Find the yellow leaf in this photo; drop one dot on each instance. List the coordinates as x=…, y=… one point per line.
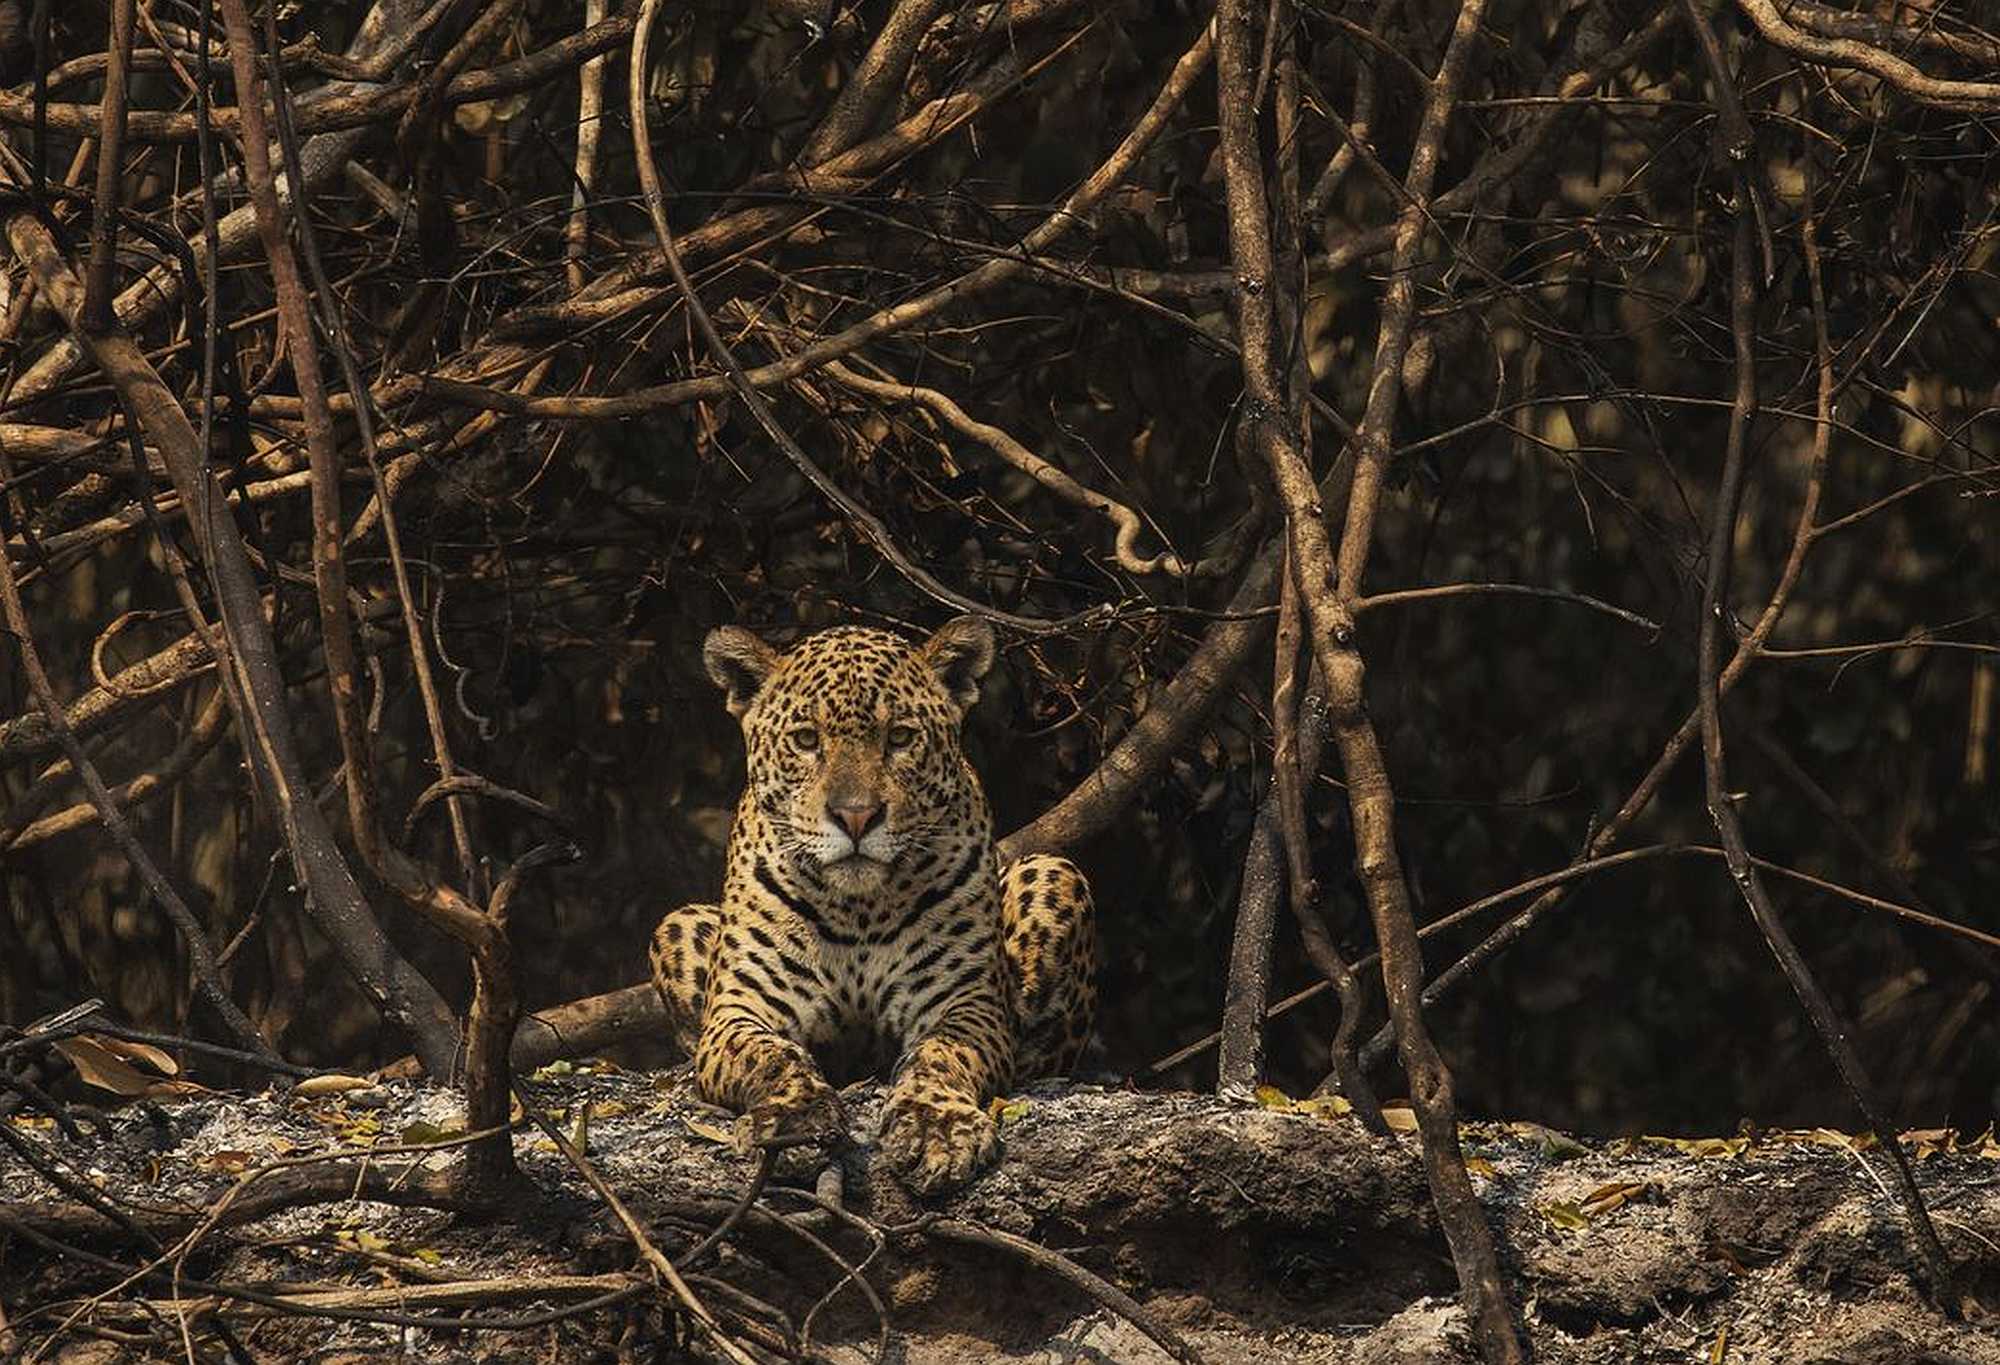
x=1708, y=1148
x=422, y=1134
x=1400, y=1120
x=139, y=1052
x=98, y=1065
x=1605, y=1198
x=332, y=1083
x=1564, y=1215
x=178, y=1089
x=1561, y=1146
x=1324, y=1106
x=708, y=1131
x=228, y=1163
x=1929, y=1142
x=482, y=116
x=1720, y=1349
x=1479, y=1165
x=1555, y=1146
x=1270, y=1097
x=1005, y=1111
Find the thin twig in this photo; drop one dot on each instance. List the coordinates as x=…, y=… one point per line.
x=1722, y=803
x=649, y=1251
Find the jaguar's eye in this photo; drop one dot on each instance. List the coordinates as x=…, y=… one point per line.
x=805, y=739
x=902, y=736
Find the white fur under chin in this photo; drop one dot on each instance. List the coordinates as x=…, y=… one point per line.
x=854, y=875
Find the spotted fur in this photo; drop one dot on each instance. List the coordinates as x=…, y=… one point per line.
x=864, y=925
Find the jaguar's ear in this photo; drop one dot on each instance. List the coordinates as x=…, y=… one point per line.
x=961, y=653
x=739, y=662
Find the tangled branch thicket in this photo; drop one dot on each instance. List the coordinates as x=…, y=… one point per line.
x=445, y=472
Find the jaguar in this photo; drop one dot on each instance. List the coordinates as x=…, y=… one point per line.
x=865, y=926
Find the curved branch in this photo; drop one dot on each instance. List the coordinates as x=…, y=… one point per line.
x=1102, y=1291
x=859, y=516
x=1855, y=55
x=880, y=70
x=129, y=689
x=1405, y=596
x=1884, y=33
x=1128, y=523
x=1722, y=807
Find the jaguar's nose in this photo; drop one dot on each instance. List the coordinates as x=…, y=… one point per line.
x=856, y=815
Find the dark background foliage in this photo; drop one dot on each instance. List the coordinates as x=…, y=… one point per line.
x=1566, y=434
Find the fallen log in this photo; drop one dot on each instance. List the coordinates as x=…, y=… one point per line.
x=1234, y=1233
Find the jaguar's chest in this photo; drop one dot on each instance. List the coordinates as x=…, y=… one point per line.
x=852, y=1034
x=865, y=1001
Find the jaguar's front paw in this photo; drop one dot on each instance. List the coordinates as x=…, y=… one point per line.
x=937, y=1139
x=806, y=1107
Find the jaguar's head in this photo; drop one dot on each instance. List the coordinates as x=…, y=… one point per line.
x=852, y=737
